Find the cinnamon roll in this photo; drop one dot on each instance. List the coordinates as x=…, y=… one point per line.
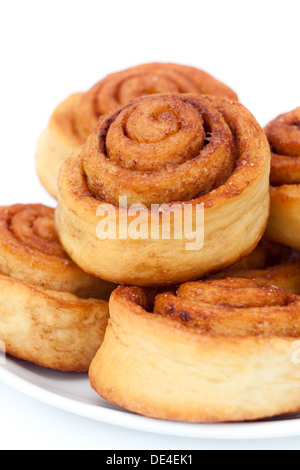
x=269, y=264
x=52, y=313
x=284, y=137
x=75, y=118
x=214, y=351
x=167, y=189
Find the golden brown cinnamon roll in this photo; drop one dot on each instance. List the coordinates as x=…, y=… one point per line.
x=74, y=119
x=52, y=313
x=213, y=351
x=284, y=137
x=194, y=173
x=269, y=264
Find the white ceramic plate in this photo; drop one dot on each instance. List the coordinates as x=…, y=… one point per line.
x=72, y=393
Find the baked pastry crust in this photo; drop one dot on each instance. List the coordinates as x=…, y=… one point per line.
x=214, y=351
x=284, y=137
x=75, y=118
x=58, y=141
x=52, y=313
x=269, y=264
x=175, y=151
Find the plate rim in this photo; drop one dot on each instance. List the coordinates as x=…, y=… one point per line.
x=122, y=419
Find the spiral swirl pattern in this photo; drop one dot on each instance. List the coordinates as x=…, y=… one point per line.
x=166, y=153
x=162, y=149
x=232, y=307
x=218, y=350
x=30, y=252
x=75, y=118
x=33, y=226
x=120, y=88
x=52, y=313
x=284, y=136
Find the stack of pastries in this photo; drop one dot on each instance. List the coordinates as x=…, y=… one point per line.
x=146, y=163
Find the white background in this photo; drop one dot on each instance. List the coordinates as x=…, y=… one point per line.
x=50, y=49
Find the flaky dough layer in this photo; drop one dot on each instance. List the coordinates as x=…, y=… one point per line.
x=284, y=137
x=179, y=152
x=213, y=351
x=52, y=329
x=51, y=313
